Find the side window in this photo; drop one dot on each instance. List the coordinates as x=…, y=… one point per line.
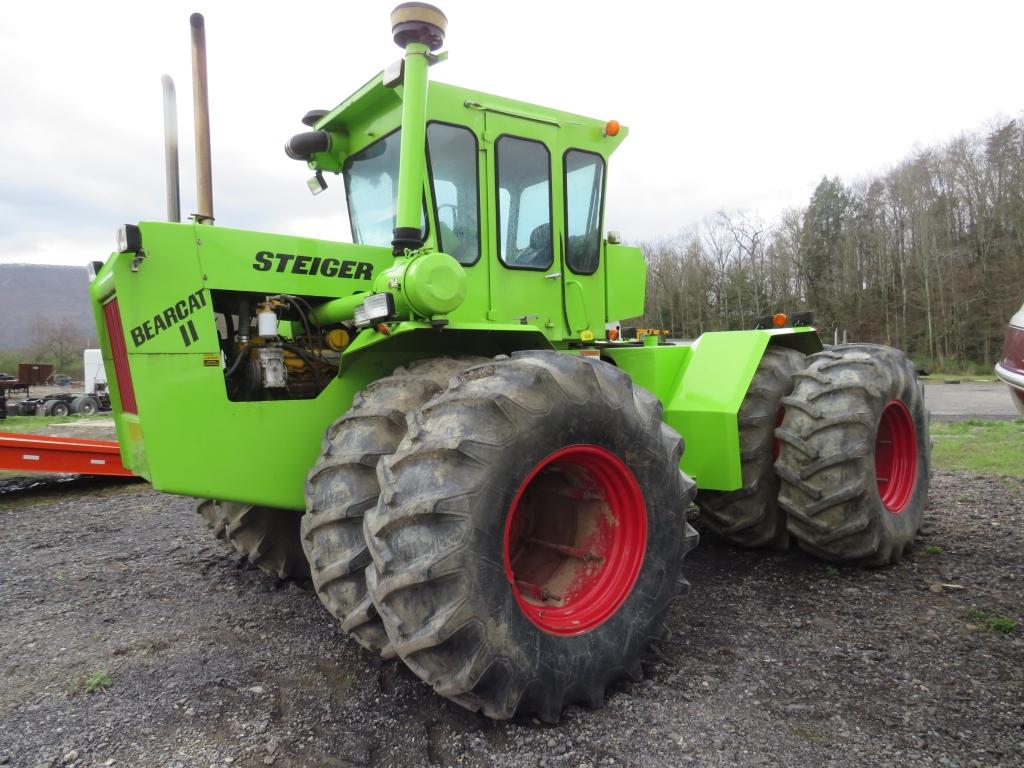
x=584, y=183
x=524, y=203
x=452, y=156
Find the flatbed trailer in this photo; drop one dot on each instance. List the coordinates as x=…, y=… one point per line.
x=53, y=454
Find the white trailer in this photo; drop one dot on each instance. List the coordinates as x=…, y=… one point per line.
x=95, y=377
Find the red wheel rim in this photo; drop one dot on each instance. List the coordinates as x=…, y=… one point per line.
x=896, y=457
x=575, y=538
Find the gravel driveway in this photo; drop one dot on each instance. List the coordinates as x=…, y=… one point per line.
x=774, y=659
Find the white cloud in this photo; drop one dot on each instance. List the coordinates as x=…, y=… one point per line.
x=730, y=105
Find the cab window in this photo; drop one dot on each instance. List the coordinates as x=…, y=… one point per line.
x=584, y=184
x=371, y=186
x=524, y=203
x=452, y=157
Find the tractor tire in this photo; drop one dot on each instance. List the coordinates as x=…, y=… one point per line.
x=343, y=484
x=209, y=510
x=855, y=455
x=267, y=537
x=750, y=516
x=529, y=534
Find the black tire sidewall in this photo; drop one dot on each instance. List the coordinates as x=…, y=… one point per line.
x=625, y=634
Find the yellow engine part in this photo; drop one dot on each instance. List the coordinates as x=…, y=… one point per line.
x=337, y=339
x=293, y=362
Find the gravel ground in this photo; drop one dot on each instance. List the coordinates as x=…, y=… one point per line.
x=774, y=659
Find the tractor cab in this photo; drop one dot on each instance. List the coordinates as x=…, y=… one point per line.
x=512, y=192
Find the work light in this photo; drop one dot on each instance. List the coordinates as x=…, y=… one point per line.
x=375, y=308
x=129, y=239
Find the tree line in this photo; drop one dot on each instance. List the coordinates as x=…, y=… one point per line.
x=928, y=257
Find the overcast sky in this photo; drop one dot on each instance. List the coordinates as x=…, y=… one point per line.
x=731, y=105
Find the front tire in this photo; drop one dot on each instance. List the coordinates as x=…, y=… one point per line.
x=528, y=538
x=855, y=455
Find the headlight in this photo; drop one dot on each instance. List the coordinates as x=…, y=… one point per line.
x=129, y=239
x=375, y=308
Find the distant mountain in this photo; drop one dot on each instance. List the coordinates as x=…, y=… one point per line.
x=30, y=292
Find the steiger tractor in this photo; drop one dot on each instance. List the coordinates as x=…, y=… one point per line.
x=433, y=424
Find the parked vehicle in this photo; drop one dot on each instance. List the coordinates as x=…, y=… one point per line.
x=1011, y=368
x=93, y=399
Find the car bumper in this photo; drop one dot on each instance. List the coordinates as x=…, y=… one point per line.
x=1014, y=378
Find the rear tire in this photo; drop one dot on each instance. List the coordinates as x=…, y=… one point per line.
x=266, y=536
x=751, y=516
x=855, y=455
x=343, y=485
x=498, y=542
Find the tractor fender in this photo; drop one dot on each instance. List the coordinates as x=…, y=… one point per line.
x=701, y=385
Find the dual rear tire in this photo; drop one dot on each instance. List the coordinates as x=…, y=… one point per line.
x=855, y=455
x=835, y=456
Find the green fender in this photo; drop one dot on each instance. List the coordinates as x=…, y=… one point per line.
x=701, y=385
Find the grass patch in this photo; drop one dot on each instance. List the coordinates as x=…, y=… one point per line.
x=983, y=447
x=931, y=549
x=993, y=621
x=832, y=572
x=97, y=682
x=35, y=423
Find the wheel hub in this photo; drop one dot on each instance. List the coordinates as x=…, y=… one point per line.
x=575, y=538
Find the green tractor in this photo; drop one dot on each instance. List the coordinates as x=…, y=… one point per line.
x=435, y=424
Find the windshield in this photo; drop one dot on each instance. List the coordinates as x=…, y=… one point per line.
x=371, y=186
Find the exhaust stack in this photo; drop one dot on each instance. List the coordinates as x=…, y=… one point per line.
x=171, y=149
x=201, y=108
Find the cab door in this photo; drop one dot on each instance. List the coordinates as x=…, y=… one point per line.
x=526, y=276
x=582, y=179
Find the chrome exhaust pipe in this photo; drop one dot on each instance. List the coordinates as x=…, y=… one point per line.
x=171, y=149
x=201, y=108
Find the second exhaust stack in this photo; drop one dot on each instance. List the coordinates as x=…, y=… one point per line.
x=201, y=108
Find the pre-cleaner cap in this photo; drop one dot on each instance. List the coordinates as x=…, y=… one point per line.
x=418, y=23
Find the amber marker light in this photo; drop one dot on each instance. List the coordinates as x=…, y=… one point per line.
x=611, y=128
x=779, y=319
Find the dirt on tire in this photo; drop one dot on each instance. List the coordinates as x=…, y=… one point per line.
x=832, y=442
x=440, y=576
x=343, y=485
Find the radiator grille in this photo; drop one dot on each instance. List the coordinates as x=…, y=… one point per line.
x=120, y=352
